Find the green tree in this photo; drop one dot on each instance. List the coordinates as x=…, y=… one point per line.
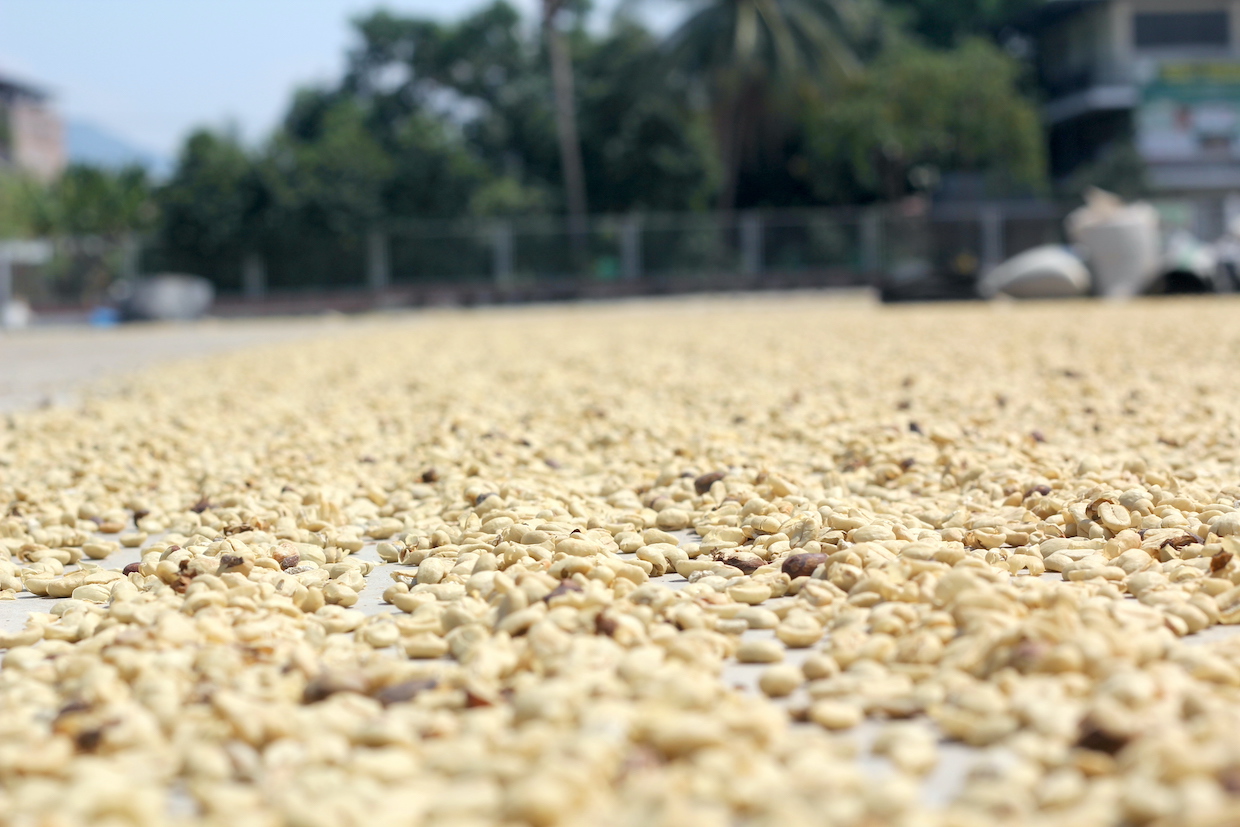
x=477, y=84
x=752, y=56
x=945, y=23
x=18, y=196
x=87, y=200
x=958, y=110
x=507, y=197
x=326, y=173
x=749, y=102
x=215, y=207
x=486, y=80
x=97, y=210
x=336, y=172
x=645, y=147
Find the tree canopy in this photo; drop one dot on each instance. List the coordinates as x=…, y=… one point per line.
x=916, y=107
x=947, y=23
x=748, y=55
x=750, y=103
x=83, y=201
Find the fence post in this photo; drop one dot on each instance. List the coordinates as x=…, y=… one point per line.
x=871, y=240
x=501, y=253
x=631, y=248
x=131, y=248
x=6, y=286
x=991, y=218
x=751, y=244
x=378, y=265
x=253, y=276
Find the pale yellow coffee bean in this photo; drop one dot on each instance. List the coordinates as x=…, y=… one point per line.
x=799, y=635
x=98, y=550
x=673, y=519
x=759, y=651
x=781, y=680
x=749, y=592
x=835, y=714
x=425, y=645
x=93, y=593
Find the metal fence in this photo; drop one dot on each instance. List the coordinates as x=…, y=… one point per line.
x=413, y=262
x=74, y=271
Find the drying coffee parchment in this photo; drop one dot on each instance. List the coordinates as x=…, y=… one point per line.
x=518, y=567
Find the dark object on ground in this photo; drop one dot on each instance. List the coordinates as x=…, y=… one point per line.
x=1189, y=266
x=928, y=289
x=1180, y=281
x=165, y=297
x=917, y=280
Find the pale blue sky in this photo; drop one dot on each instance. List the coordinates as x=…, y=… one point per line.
x=151, y=70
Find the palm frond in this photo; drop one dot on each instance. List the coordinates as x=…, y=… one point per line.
x=749, y=53
x=772, y=38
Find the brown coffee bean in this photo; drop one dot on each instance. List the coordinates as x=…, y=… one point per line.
x=803, y=565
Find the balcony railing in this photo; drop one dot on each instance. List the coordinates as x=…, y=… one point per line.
x=1080, y=80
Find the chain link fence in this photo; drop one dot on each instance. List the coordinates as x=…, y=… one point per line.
x=538, y=258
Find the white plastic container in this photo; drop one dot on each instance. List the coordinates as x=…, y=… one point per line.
x=167, y=297
x=1049, y=272
x=1119, y=241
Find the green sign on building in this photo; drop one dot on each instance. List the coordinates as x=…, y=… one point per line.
x=1190, y=111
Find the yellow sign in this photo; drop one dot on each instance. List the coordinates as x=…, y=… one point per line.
x=1185, y=73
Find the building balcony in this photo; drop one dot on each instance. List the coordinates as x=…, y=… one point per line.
x=1095, y=89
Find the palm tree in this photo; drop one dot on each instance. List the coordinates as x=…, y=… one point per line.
x=748, y=52
x=566, y=122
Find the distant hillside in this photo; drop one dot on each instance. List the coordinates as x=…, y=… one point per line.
x=88, y=144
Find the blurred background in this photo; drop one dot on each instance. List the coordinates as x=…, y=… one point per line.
x=329, y=154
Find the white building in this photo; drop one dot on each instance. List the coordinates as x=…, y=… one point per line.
x=1164, y=74
x=31, y=132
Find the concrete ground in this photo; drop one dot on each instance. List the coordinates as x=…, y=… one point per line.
x=46, y=365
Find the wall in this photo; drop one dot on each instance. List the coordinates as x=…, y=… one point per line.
x=37, y=138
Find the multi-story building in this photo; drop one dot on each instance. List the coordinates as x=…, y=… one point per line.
x=1161, y=75
x=31, y=132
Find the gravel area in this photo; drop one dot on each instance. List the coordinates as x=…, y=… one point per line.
x=759, y=560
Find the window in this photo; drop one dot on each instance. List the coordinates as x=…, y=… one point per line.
x=1169, y=30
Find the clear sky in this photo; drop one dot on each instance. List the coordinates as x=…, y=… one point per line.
x=149, y=71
